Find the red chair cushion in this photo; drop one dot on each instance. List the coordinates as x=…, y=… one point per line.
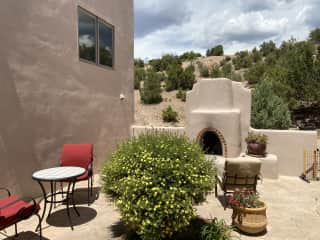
x=11, y=211
x=83, y=177
x=8, y=200
x=79, y=155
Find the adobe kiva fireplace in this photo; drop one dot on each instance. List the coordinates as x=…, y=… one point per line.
x=218, y=116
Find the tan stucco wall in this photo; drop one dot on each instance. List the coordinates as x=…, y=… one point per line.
x=288, y=146
x=48, y=97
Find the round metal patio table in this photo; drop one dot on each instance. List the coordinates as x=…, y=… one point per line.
x=58, y=174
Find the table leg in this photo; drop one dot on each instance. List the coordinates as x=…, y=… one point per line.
x=72, y=198
x=68, y=210
x=45, y=204
x=52, y=197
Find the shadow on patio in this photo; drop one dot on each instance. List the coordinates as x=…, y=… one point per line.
x=28, y=235
x=59, y=219
x=119, y=229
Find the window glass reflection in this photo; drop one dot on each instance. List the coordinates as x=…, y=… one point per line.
x=87, y=36
x=105, y=45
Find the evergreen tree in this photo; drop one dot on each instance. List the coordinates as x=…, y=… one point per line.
x=268, y=110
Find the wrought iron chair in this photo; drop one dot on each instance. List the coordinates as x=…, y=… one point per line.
x=13, y=210
x=238, y=174
x=79, y=155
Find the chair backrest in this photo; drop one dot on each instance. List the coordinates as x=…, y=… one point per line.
x=80, y=155
x=241, y=173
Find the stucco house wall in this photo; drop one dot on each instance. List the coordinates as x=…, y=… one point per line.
x=49, y=97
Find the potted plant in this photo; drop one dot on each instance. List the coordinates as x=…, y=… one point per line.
x=249, y=212
x=256, y=144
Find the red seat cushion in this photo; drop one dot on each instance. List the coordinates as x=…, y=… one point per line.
x=8, y=200
x=9, y=212
x=83, y=177
x=79, y=155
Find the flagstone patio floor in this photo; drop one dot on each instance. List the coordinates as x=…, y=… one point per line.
x=293, y=214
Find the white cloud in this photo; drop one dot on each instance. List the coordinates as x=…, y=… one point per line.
x=86, y=40
x=176, y=26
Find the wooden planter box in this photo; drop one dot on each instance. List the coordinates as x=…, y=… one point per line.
x=250, y=220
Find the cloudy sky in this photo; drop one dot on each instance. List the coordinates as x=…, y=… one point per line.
x=176, y=26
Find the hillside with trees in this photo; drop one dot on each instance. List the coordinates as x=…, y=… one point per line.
x=285, y=80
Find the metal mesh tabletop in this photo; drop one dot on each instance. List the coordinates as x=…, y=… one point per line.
x=58, y=173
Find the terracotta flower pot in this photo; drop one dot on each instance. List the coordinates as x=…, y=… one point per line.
x=256, y=149
x=250, y=220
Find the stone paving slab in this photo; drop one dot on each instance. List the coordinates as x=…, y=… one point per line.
x=293, y=214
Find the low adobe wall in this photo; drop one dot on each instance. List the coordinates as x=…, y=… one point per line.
x=138, y=130
x=288, y=146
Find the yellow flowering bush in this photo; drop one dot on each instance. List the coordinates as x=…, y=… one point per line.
x=155, y=179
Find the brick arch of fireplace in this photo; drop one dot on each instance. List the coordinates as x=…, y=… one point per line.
x=220, y=137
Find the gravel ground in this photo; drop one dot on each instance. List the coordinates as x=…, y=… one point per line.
x=151, y=114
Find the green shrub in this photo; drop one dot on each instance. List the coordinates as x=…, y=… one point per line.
x=155, y=180
x=242, y=60
x=268, y=110
x=215, y=71
x=217, y=229
x=256, y=56
x=156, y=64
x=255, y=73
x=236, y=76
x=204, y=70
x=151, y=91
x=187, y=78
x=139, y=76
x=227, y=70
x=138, y=62
x=169, y=115
x=315, y=35
x=181, y=94
x=174, y=75
x=267, y=47
x=169, y=60
x=189, y=56
x=215, y=51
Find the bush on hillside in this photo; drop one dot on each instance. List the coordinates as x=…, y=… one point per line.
x=268, y=110
x=139, y=63
x=139, y=76
x=187, y=78
x=189, y=56
x=267, y=47
x=155, y=180
x=204, y=70
x=182, y=95
x=294, y=75
x=215, y=51
x=156, y=65
x=242, y=59
x=236, y=76
x=215, y=71
x=174, y=75
x=151, y=91
x=256, y=56
x=227, y=70
x=169, y=115
x=255, y=73
x=315, y=36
